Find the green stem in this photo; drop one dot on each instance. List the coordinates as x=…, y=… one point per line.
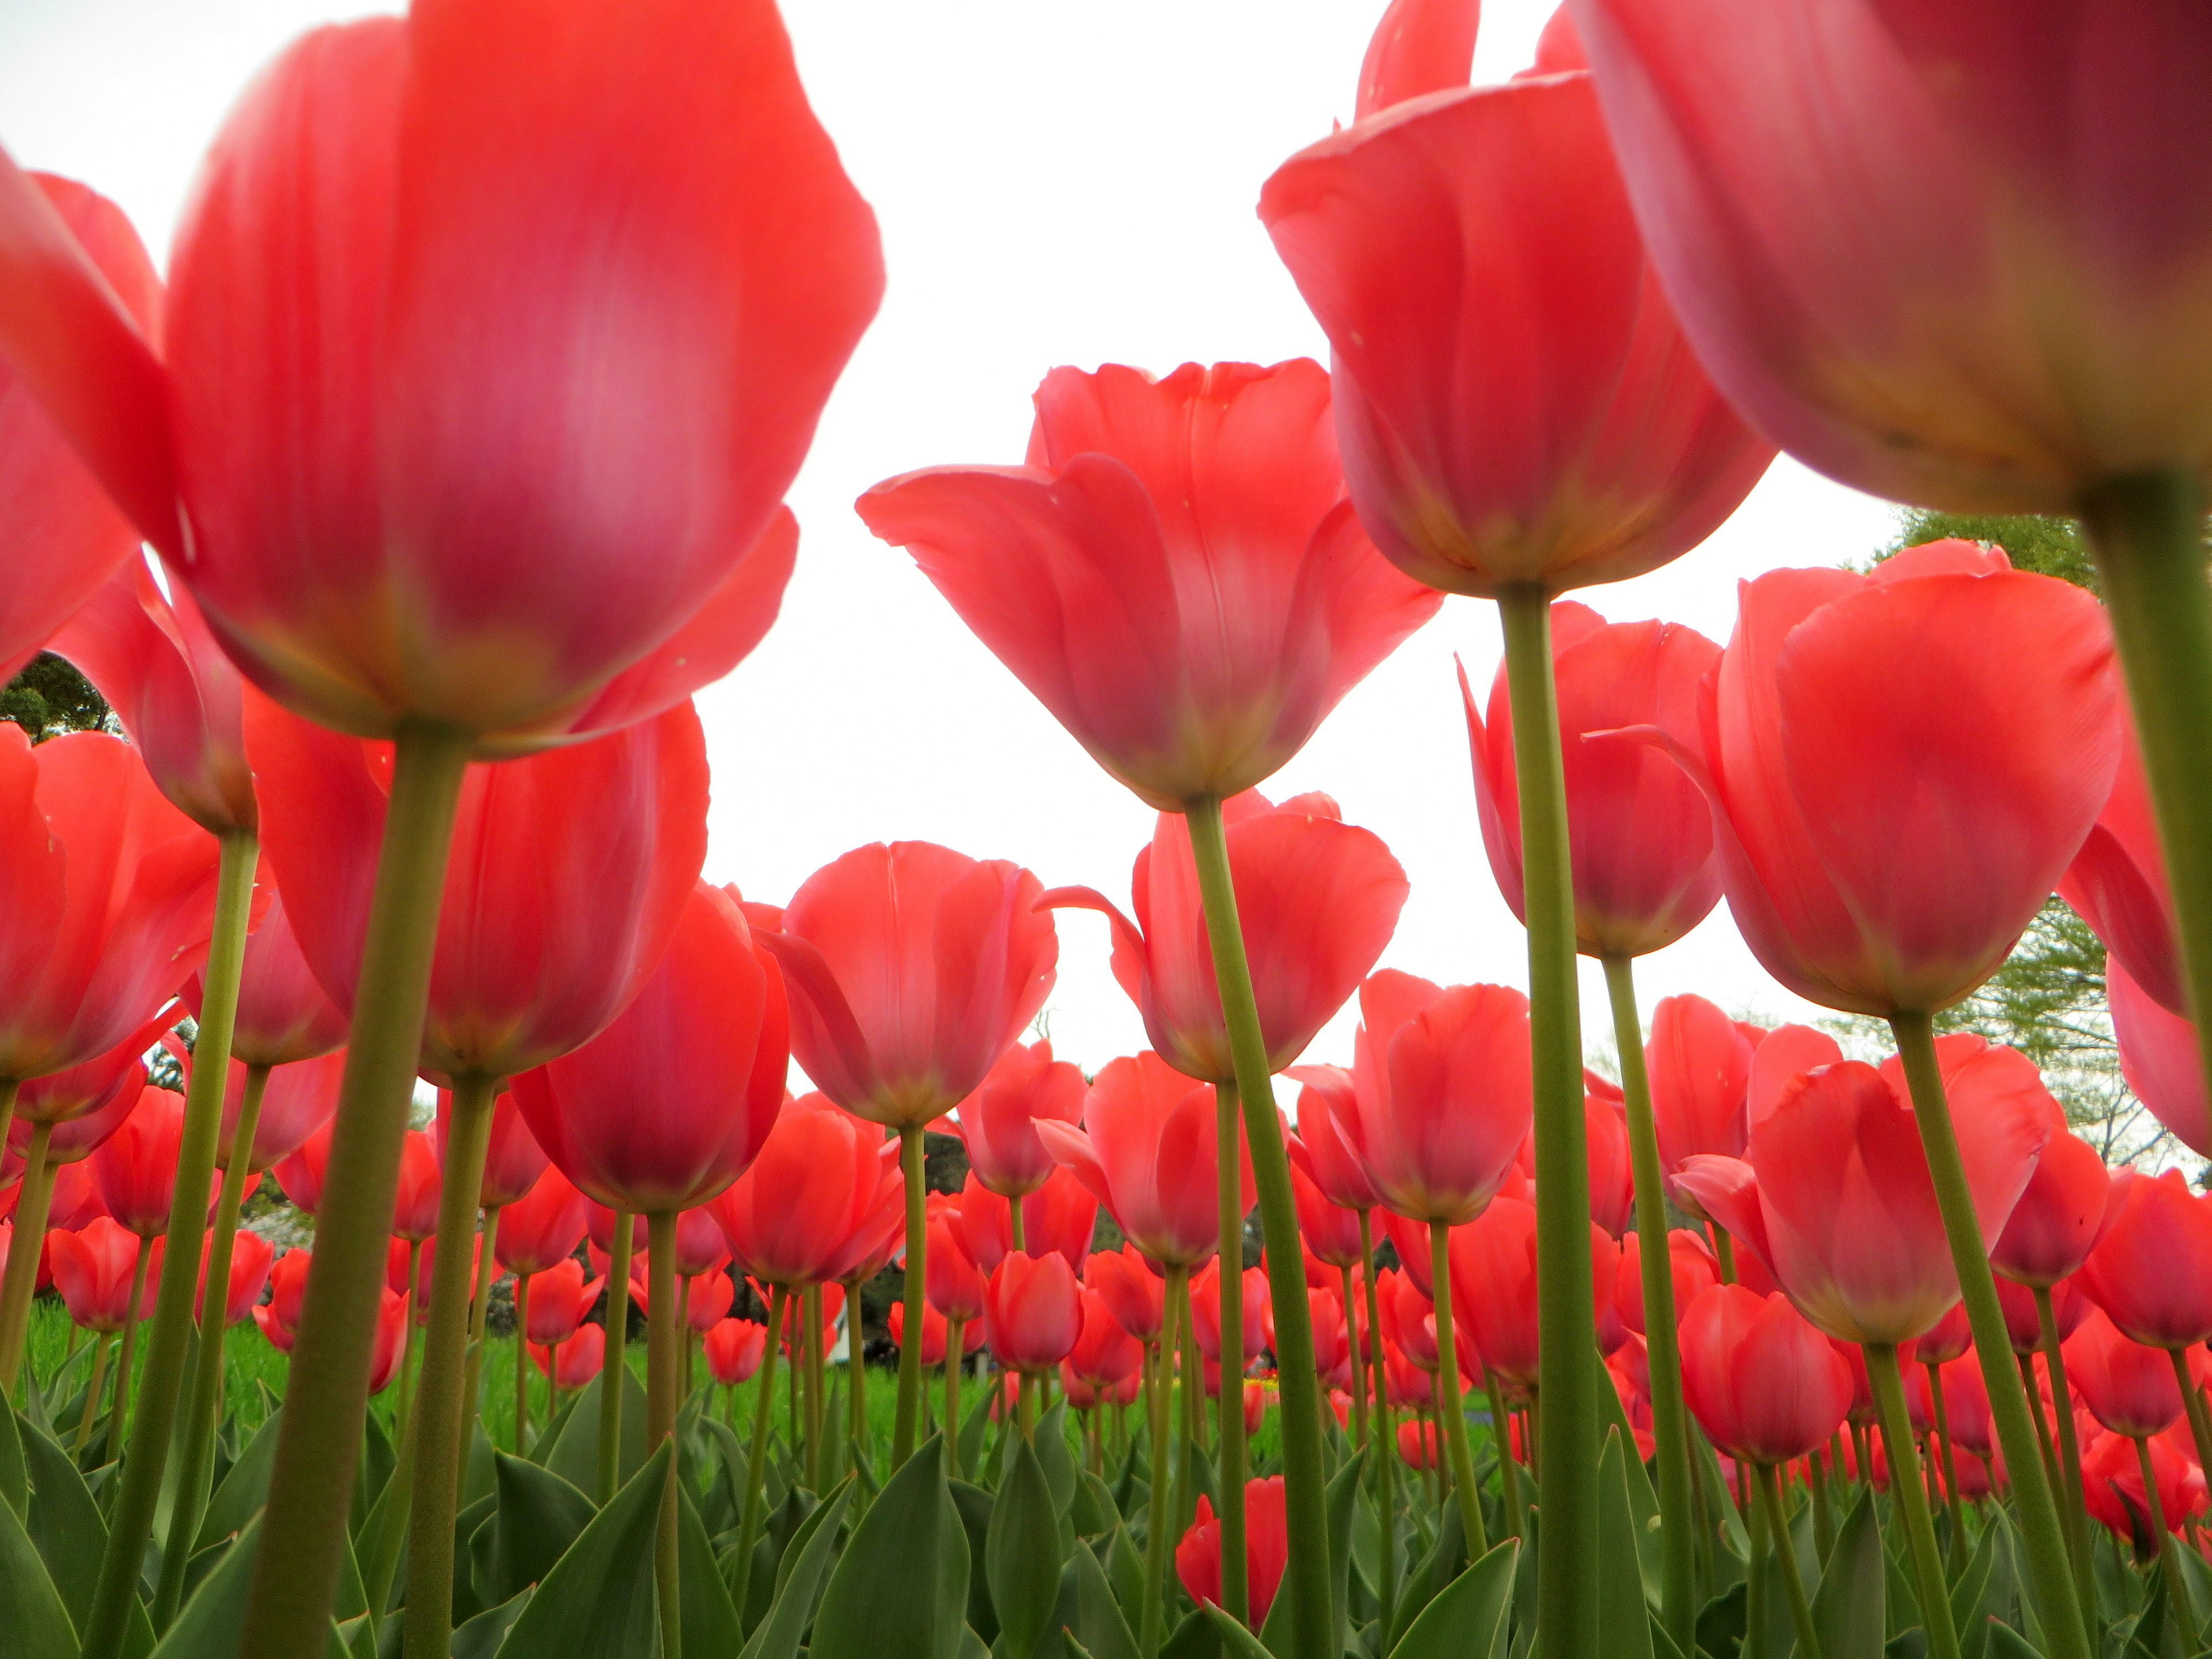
x=817, y=1449
x=1941, y=1411
x=1669, y=1418
x=1312, y=1617
x=1386, y=1473
x=1567, y=1381
x=1358, y=1366
x=1159, y=1513
x=1824, y=1529
x=2155, y=1508
x=2192, y=1400
x=955, y=1334
x=662, y=1359
x=190, y=1504
x=856, y=1376
x=486, y=1272
x=1228, y=1186
x=1769, y=1491
x=2147, y=534
x=101, y=1345
x=917, y=1246
x=21, y=1279
x=612, y=1376
x=522, y=1363
x=1509, y=1468
x=2048, y=1571
x=440, y=1397
x=1724, y=1253
x=1194, y=1411
x=125, y=1362
x=1448, y=1405
x=303, y=1533
x=1909, y=1496
x=757, y=1463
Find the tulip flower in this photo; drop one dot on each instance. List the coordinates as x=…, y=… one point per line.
x=1692, y=1271
x=2152, y=1270
x=542, y=1228
x=733, y=1349
x=1132, y=1292
x=75, y=1202
x=1785, y=1054
x=296, y=1100
x=819, y=1175
x=1206, y=1312
x=997, y=1123
x=1059, y=1215
x=1032, y=1312
x=302, y=1171
x=284, y=1016
x=936, y=1332
x=2061, y=1213
x=1266, y=1548
x=707, y=1299
x=1329, y=1232
x=1764, y=1385
x=135, y=1167
x=561, y=1297
x=2120, y=1499
x=1175, y=574
x=98, y=1271
x=250, y=1258
x=572, y=1363
x=1317, y=899
x=1700, y=1063
x=955, y=1285
x=1106, y=1353
x=422, y=1183
x=2159, y=1059
x=2128, y=1386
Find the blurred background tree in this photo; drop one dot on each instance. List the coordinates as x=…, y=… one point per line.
x=50, y=697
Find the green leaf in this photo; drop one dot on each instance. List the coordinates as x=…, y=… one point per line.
x=538, y=1516
x=709, y=1619
x=1093, y=1511
x=902, y=1585
x=64, y=1523
x=1643, y=1501
x=15, y=1479
x=1466, y=1619
x=1125, y=1570
x=1052, y=1454
x=37, y=1624
x=481, y=1636
x=575, y=1455
x=2006, y=1643
x=1968, y=1617
x=1237, y=1642
x=804, y=1564
x=1848, y=1613
x=245, y=1489
x=599, y=1597
x=1021, y=1552
x=974, y=1430
x=1337, y=1505
x=1624, y=1619
x=1101, y=1630
x=1436, y=1569
x=974, y=1505
x=212, y=1621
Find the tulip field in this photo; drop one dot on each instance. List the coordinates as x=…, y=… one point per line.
x=441, y=1223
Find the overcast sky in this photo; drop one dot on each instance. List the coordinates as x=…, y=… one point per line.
x=1057, y=183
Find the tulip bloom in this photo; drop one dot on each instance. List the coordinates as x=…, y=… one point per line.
x=1106, y=1354
x=1329, y=1232
x=1326, y=1093
x=733, y=1350
x=94, y=1269
x=1206, y=1312
x=1146, y=1150
x=135, y=1167
x=936, y=1332
x=1834, y=736
x=1700, y=1063
x=1059, y=1215
x=1833, y=1196
x=560, y=1297
x=1640, y=835
x=997, y=1123
x=2131, y=1387
x=1317, y=899
x=955, y=1285
x=1764, y=1385
x=387, y=1358
x=541, y=1228
x=820, y=1175
x=1493, y=1286
x=2160, y=1059
x=1266, y=1548
x=250, y=1258
x=2113, y=1488
x=1693, y=1268
x=512, y=1158
x=1131, y=1291
x=421, y=1184
x=1176, y=572
x=1032, y=1312
x=913, y=969
x=1442, y=1097
x=297, y=1100
x=2152, y=1270
x=284, y=1016
x=707, y=1299
x=2061, y=1213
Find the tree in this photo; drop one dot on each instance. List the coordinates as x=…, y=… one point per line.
x=50, y=697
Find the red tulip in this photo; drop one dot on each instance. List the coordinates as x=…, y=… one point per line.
x=574, y=1362
x=1105, y=1354
x=820, y=1175
x=953, y=1285
x=1762, y=1382
x=1175, y=574
x=104, y=1089
x=1266, y=1548
x=1915, y=244
x=297, y=1100
x=94, y=1269
x=287, y=1285
x=997, y=1123
x=2131, y=1387
x=1329, y=1232
x=1206, y=1312
x=2061, y=1212
x=542, y=1227
x=1325, y=1095
x=560, y=1297
x=1441, y=1094
x=415, y=1209
x=1700, y=1063
x=390, y=1348
x=135, y=1167
x=1493, y=1269
x=1061, y=1215
x=1317, y=899
x=1032, y=1312
x=669, y=1104
x=913, y=969
x=418, y=515
x=1786, y=1053
x=734, y=1349
x=1833, y=1193
x=1640, y=834
x=1147, y=1152
x=701, y=1249
x=2112, y=1487
x=1692, y=1266
x=1834, y=736
x=109, y=896
x=151, y=655
x=75, y=1201
x=2024, y=1325
x=710, y=1296
x=1612, y=1178
x=2159, y=1059
x=425, y=1252
x=512, y=1158
x=284, y=1016
x=1418, y=1445
x=523, y=972
x=1332, y=1339
x=936, y=1331
x=1132, y=1291
x=1420, y=47
x=1946, y=1339
x=1966, y=1404
x=300, y=1172
x=1409, y=1319
x=2152, y=1271
x=1513, y=396
x=250, y=1257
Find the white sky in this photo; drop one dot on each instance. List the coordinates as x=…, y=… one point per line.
x=1057, y=183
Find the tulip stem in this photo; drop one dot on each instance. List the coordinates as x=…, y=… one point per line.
x=2200, y=1424
x=1386, y=1475
x=1941, y=1412
x=1567, y=1382
x=1908, y=1494
x=1229, y=1167
x=956, y=1336
x=1768, y=1489
x=131, y=1321
x=917, y=1265
x=522, y=1363
x=1159, y=1510
x=303, y=1533
x=1193, y=1369
x=2049, y=1567
x=662, y=1356
x=611, y=1373
x=856, y=1376
x=757, y=1463
x=2147, y=534
x=1724, y=1253
x=1449, y=1404
x=190, y=1504
x=440, y=1392
x=2154, y=1511
x=486, y=1273
x=19, y=1281
x=1313, y=1617
x=1669, y=1420
x=810, y=1321
x=1509, y=1471
x=100, y=1346
x=1358, y=1366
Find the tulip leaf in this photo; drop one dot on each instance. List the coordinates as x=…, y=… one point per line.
x=1101, y=1631
x=1624, y=1620
x=599, y=1598
x=901, y=1588
x=244, y=1489
x=1021, y=1551
x=1848, y=1610
x=1338, y=1504
x=64, y=1523
x=1465, y=1619
x=38, y=1624
x=14, y=1478
x=1437, y=1569
x=1971, y=1605
x=974, y=1505
x=575, y=1456
x=214, y=1618
x=709, y=1618
x=537, y=1516
x=1643, y=1501
x=1052, y=1454
x=1092, y=1512
x=1237, y=1642
x=1125, y=1570
x=974, y=1430
x=800, y=1576
x=1195, y=1638
x=2006, y=1643
x=481, y=1636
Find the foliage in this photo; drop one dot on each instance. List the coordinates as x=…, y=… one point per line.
x=2050, y=547
x=50, y=697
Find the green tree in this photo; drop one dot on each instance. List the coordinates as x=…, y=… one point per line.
x=50, y=697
